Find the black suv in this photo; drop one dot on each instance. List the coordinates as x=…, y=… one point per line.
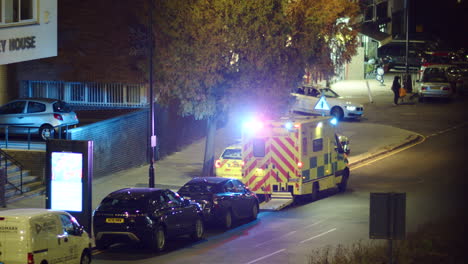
x=223, y=200
x=146, y=215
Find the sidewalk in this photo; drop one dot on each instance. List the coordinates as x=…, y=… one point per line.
x=366, y=141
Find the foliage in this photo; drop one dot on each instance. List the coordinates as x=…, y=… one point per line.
x=211, y=54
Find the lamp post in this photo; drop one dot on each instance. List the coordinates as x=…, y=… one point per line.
x=152, y=138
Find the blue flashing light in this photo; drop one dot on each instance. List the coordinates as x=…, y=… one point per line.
x=334, y=121
x=288, y=126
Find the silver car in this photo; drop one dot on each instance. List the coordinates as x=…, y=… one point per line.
x=435, y=82
x=42, y=116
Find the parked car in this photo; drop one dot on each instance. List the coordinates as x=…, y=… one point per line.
x=40, y=116
x=229, y=164
x=33, y=235
x=435, y=82
x=146, y=215
x=223, y=200
x=308, y=97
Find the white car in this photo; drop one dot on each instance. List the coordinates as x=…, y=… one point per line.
x=324, y=101
x=436, y=82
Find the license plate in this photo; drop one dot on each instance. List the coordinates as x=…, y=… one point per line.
x=114, y=220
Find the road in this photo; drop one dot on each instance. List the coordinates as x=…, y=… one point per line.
x=432, y=174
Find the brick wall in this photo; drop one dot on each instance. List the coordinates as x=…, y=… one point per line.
x=119, y=143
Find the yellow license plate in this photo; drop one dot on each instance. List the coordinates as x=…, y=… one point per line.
x=114, y=220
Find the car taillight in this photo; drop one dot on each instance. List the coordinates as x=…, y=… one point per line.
x=58, y=117
x=299, y=165
x=30, y=258
x=242, y=163
x=424, y=88
x=218, y=164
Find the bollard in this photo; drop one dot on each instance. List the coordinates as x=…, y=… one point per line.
x=369, y=92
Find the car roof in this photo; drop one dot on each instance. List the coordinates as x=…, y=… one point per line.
x=134, y=192
x=44, y=100
x=27, y=212
x=234, y=146
x=214, y=180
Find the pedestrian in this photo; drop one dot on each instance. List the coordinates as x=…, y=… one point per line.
x=396, y=89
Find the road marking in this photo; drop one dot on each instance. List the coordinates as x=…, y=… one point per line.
x=267, y=242
x=266, y=256
x=319, y=235
x=316, y=223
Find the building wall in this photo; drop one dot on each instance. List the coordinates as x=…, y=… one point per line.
x=3, y=84
x=355, y=69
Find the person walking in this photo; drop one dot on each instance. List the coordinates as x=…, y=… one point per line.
x=396, y=89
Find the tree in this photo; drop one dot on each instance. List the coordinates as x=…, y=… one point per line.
x=211, y=54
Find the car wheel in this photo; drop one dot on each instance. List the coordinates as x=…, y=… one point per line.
x=198, y=231
x=158, y=240
x=344, y=181
x=101, y=244
x=85, y=258
x=254, y=212
x=46, y=132
x=227, y=220
x=337, y=112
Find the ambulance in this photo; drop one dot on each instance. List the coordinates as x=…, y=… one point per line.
x=230, y=163
x=293, y=157
x=38, y=236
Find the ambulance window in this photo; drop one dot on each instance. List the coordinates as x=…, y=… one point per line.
x=259, y=147
x=304, y=146
x=317, y=144
x=232, y=154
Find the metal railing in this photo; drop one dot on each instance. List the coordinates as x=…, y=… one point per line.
x=7, y=158
x=89, y=94
x=5, y=129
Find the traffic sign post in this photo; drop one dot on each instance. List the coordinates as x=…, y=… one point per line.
x=387, y=217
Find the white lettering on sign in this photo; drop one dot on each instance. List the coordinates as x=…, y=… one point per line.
x=15, y=44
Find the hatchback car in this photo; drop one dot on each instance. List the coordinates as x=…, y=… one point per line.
x=223, y=200
x=145, y=215
x=36, y=115
x=310, y=100
x=229, y=164
x=435, y=82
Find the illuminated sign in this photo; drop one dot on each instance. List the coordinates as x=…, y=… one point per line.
x=322, y=104
x=67, y=181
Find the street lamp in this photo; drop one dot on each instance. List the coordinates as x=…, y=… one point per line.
x=152, y=138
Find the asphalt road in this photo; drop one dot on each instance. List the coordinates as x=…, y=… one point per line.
x=432, y=174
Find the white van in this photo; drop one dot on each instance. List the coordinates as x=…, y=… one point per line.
x=37, y=236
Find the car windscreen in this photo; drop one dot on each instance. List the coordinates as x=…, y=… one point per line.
x=123, y=204
x=232, y=154
x=199, y=187
x=329, y=93
x=61, y=106
x=434, y=75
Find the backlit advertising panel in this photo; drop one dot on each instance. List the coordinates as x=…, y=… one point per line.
x=67, y=181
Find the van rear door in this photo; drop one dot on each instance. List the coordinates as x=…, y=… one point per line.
x=13, y=245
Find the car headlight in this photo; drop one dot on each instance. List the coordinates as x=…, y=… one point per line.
x=351, y=108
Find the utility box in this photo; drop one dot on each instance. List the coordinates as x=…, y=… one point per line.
x=387, y=219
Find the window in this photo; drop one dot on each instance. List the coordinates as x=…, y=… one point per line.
x=259, y=147
x=317, y=144
x=174, y=200
x=238, y=186
x=229, y=187
x=17, y=11
x=13, y=108
x=67, y=225
x=36, y=107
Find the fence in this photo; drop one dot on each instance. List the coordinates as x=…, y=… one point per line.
x=88, y=94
